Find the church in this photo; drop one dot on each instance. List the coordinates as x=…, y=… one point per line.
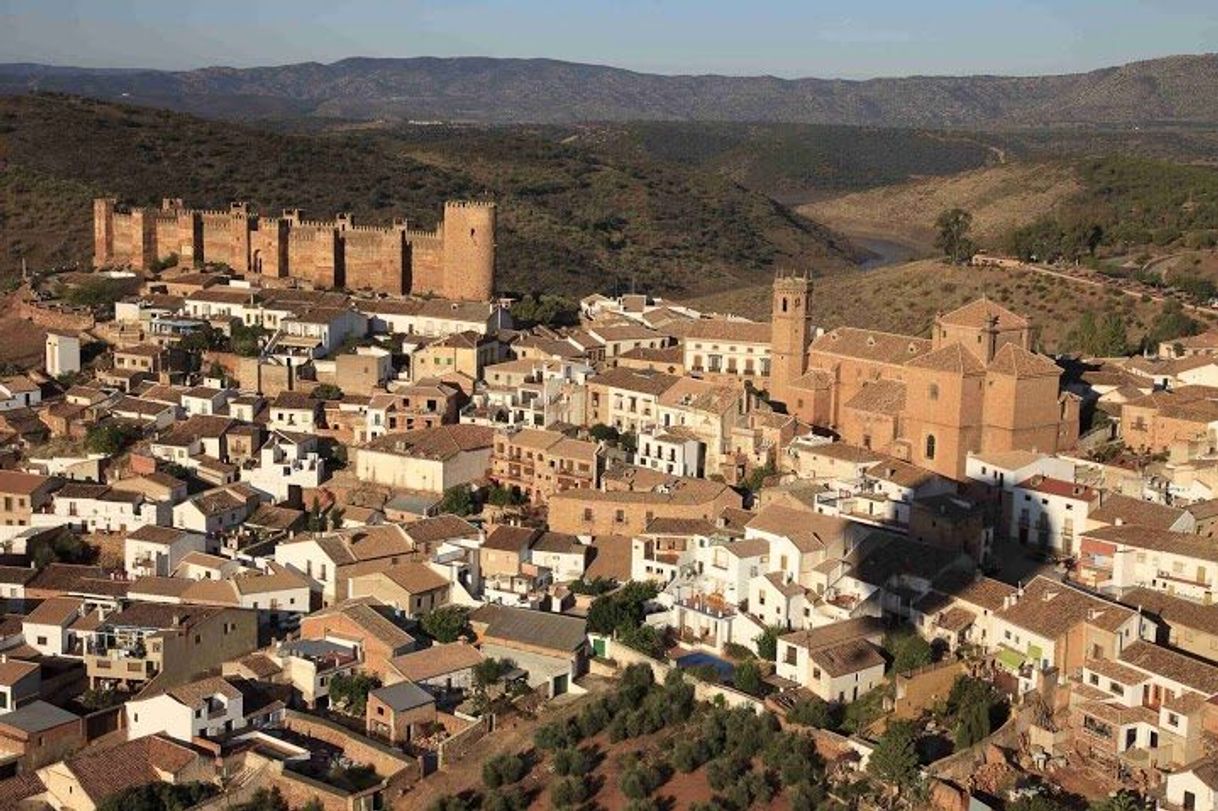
x=974, y=385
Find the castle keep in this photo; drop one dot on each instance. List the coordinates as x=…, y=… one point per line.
x=455, y=261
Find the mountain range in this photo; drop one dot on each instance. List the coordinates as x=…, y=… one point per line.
x=1175, y=89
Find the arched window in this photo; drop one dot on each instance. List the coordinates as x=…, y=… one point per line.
x=930, y=446
x=933, y=391
x=784, y=304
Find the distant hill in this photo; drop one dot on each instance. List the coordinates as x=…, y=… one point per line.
x=1000, y=198
x=1171, y=89
x=905, y=298
x=572, y=219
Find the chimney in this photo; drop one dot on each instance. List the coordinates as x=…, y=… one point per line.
x=1120, y=522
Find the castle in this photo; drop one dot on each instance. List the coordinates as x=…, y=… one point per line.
x=455, y=261
x=975, y=385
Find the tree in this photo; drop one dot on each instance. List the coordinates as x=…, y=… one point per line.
x=568, y=791
x=953, y=226
x=246, y=341
x=628, y=442
x=327, y=391
x=604, y=433
x=747, y=678
x=159, y=797
x=624, y=608
x=552, y=736
x=315, y=521
x=489, y=671
x=1171, y=322
x=767, y=642
x=909, y=651
x=264, y=800
x=812, y=712
x=504, y=800
x=756, y=478
x=1121, y=801
x=895, y=759
x=502, y=770
x=1103, y=337
x=972, y=725
x=644, y=638
x=504, y=496
x=640, y=780
x=457, y=500
x=446, y=623
x=351, y=691
x=63, y=546
x=571, y=760
x=110, y=438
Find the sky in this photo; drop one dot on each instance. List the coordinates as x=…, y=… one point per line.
x=823, y=38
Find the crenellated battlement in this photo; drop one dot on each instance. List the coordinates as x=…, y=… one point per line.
x=456, y=259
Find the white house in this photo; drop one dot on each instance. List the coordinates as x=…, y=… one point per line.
x=155, y=551
x=19, y=392
x=324, y=328
x=434, y=317
x=217, y=510
x=838, y=662
x=47, y=629
x=99, y=507
x=293, y=411
x=204, y=400
x=19, y=683
x=1194, y=787
x=677, y=451
x=207, y=708
x=561, y=553
x=1051, y=513
x=62, y=353
x=284, y=462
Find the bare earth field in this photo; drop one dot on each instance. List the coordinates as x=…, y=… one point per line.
x=905, y=298
x=999, y=198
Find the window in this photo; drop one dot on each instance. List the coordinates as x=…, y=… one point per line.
x=816, y=672
x=933, y=391
x=790, y=656
x=42, y=640
x=930, y=446
x=1173, y=720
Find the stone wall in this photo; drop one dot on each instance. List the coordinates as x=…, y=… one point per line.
x=922, y=688
x=453, y=749
x=457, y=260
x=55, y=317
x=703, y=691
x=387, y=761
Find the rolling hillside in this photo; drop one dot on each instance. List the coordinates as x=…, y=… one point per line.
x=905, y=298
x=572, y=220
x=1177, y=88
x=1000, y=199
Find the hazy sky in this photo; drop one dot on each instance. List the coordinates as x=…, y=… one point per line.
x=859, y=38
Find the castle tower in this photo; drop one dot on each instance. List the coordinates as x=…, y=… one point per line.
x=103, y=231
x=790, y=329
x=468, y=250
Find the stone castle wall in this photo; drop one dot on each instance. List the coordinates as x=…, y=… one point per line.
x=456, y=260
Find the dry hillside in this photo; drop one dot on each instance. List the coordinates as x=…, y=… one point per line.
x=999, y=197
x=905, y=298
